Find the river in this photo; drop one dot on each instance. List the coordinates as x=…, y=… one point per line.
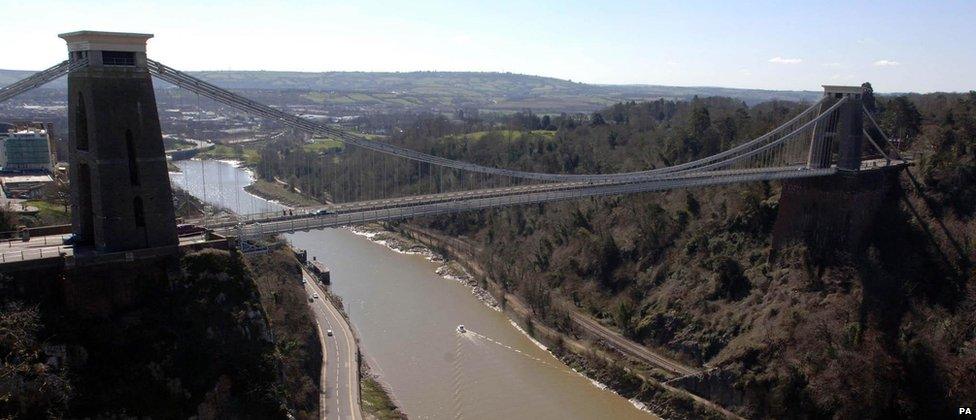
x=406, y=317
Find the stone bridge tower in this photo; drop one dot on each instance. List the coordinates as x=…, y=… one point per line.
x=839, y=136
x=121, y=196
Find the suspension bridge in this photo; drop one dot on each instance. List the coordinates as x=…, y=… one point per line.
x=121, y=196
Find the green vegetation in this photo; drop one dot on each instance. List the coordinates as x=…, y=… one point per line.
x=494, y=134
x=50, y=213
x=53, y=209
x=323, y=146
x=186, y=205
x=247, y=154
x=275, y=191
x=376, y=401
x=170, y=143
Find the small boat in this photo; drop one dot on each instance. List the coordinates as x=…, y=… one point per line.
x=460, y=329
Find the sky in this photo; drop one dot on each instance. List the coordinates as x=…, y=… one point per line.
x=898, y=46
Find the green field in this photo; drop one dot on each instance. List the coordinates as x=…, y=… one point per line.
x=174, y=144
x=376, y=401
x=478, y=135
x=49, y=213
x=275, y=191
x=248, y=155
x=323, y=145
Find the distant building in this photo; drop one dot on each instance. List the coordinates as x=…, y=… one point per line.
x=28, y=150
x=25, y=186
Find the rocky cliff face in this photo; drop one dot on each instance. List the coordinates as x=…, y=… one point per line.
x=170, y=341
x=833, y=213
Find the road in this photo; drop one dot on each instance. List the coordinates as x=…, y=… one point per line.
x=340, y=370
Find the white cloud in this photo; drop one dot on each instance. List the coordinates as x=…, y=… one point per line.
x=781, y=60
x=672, y=63
x=834, y=64
x=745, y=72
x=886, y=63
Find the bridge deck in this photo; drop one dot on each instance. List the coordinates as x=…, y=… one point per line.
x=406, y=207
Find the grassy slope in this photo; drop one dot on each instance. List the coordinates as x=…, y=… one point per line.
x=376, y=402
x=247, y=154
x=478, y=135
x=324, y=145
x=275, y=191
x=49, y=213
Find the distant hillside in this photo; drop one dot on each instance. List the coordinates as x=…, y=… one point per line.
x=448, y=90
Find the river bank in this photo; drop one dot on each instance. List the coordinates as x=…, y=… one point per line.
x=597, y=361
x=273, y=191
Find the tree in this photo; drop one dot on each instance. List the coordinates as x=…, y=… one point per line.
x=29, y=387
x=700, y=121
x=730, y=283
x=547, y=123
x=57, y=192
x=901, y=119
x=8, y=220
x=869, y=101
x=623, y=316
x=597, y=120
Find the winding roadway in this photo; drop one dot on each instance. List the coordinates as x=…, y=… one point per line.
x=340, y=370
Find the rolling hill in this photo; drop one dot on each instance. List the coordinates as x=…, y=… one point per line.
x=451, y=90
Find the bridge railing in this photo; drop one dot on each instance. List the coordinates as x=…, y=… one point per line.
x=35, y=253
x=40, y=78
